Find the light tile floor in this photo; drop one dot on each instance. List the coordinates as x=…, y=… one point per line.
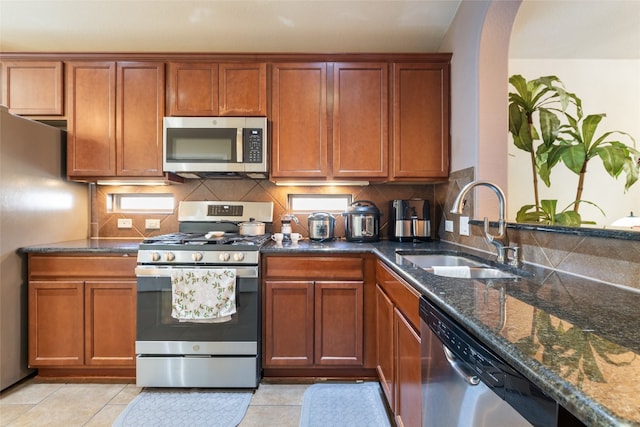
x=37, y=403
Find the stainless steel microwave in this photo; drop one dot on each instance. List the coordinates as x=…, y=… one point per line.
x=197, y=146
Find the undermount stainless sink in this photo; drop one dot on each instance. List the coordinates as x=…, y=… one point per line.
x=430, y=260
x=449, y=265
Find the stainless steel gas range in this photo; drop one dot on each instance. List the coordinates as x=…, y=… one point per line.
x=182, y=338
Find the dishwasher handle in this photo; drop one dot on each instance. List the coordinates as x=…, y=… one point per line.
x=460, y=367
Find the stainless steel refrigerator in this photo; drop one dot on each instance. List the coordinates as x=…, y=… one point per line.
x=37, y=206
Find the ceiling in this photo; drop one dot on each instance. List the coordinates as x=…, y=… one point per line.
x=543, y=28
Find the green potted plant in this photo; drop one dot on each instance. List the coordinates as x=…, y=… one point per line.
x=564, y=137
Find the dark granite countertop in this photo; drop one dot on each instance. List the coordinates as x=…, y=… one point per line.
x=577, y=339
x=129, y=246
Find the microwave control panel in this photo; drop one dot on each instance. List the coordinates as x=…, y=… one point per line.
x=253, y=143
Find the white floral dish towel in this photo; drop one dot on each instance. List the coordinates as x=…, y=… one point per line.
x=203, y=295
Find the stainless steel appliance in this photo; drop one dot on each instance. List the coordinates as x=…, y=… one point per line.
x=362, y=222
x=202, y=146
x=321, y=226
x=176, y=353
x=410, y=220
x=465, y=383
x=37, y=206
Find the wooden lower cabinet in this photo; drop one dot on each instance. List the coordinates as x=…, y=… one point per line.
x=82, y=315
x=313, y=323
x=315, y=316
x=398, y=346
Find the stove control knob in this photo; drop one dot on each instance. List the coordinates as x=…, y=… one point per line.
x=196, y=256
x=238, y=256
x=224, y=256
x=155, y=256
x=169, y=256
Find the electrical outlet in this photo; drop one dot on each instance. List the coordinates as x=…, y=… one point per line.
x=464, y=225
x=448, y=226
x=125, y=223
x=152, y=224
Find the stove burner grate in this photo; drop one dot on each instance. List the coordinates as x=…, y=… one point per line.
x=181, y=238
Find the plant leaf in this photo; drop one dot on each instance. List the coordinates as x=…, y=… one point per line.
x=549, y=126
x=574, y=157
x=613, y=157
x=589, y=126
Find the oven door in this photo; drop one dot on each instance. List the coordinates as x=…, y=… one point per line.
x=159, y=333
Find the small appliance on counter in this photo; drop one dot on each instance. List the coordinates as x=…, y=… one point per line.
x=362, y=222
x=410, y=220
x=285, y=220
x=321, y=226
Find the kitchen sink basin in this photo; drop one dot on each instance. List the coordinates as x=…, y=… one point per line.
x=450, y=265
x=430, y=260
x=471, y=272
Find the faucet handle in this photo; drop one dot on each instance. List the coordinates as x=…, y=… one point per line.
x=515, y=261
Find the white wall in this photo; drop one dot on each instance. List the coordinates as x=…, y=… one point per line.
x=605, y=86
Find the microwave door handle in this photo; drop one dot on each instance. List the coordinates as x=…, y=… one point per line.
x=239, y=145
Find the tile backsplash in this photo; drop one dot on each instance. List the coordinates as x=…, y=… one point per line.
x=104, y=223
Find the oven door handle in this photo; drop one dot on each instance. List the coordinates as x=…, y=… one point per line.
x=155, y=271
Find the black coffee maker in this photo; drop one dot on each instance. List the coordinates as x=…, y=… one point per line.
x=410, y=220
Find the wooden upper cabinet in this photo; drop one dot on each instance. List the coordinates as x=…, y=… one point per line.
x=420, y=121
x=33, y=88
x=115, y=119
x=299, y=121
x=243, y=89
x=360, y=120
x=139, y=113
x=193, y=89
x=212, y=89
x=91, y=120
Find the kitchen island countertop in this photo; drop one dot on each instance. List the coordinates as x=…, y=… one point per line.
x=577, y=339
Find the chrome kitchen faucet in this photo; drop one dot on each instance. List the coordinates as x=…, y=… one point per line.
x=501, y=240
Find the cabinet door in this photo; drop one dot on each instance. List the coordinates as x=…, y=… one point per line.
x=360, y=120
x=408, y=367
x=420, y=120
x=91, y=139
x=288, y=328
x=31, y=88
x=110, y=323
x=338, y=323
x=56, y=323
x=193, y=89
x=140, y=109
x=385, y=345
x=243, y=89
x=299, y=121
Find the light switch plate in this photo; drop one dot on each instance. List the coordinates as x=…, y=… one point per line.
x=464, y=225
x=448, y=226
x=125, y=223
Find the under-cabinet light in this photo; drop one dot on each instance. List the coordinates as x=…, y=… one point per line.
x=311, y=183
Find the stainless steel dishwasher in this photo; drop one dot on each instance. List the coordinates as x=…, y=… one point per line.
x=464, y=384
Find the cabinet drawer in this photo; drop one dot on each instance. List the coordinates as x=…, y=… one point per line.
x=81, y=266
x=316, y=267
x=403, y=296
